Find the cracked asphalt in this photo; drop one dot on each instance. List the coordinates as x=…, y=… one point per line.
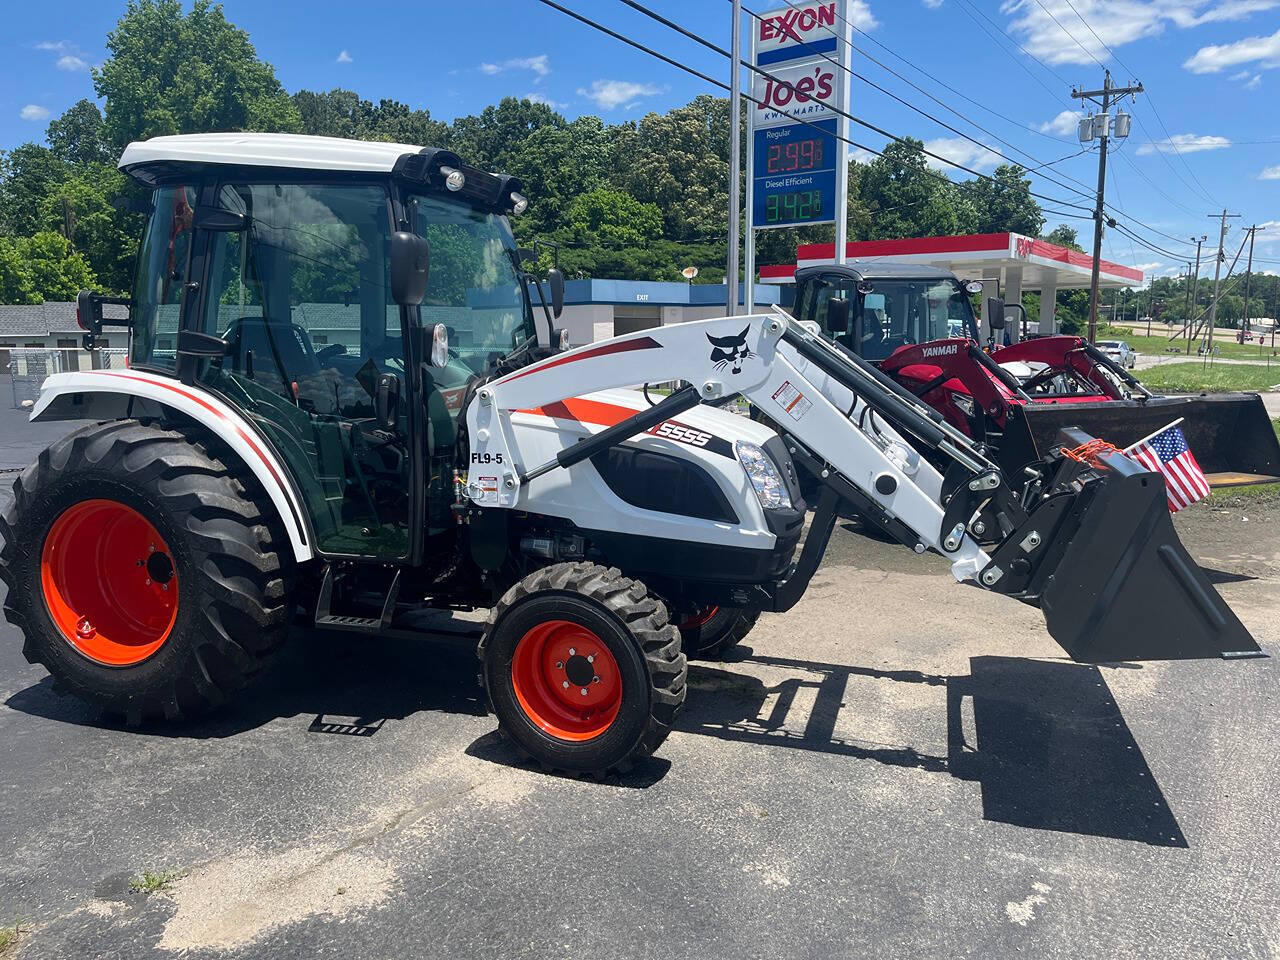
x=900, y=766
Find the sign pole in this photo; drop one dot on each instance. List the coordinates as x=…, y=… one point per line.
x=844, y=55
x=749, y=254
x=735, y=161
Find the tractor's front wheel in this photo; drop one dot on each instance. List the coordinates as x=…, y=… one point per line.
x=141, y=573
x=582, y=669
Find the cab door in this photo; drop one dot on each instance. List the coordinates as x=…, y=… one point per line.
x=315, y=353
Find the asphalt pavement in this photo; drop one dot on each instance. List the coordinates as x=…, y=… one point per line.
x=900, y=766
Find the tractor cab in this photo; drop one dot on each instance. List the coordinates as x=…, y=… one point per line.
x=344, y=313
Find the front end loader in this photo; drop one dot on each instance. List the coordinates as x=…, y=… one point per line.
x=339, y=403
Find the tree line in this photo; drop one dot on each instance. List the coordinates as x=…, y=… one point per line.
x=636, y=200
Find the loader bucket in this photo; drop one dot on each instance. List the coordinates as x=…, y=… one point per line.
x=1113, y=579
x=1229, y=433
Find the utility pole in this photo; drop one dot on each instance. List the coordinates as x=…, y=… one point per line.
x=1194, y=291
x=735, y=160
x=1103, y=128
x=1217, y=275
x=1248, y=281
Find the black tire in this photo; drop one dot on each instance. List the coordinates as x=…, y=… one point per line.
x=725, y=629
x=633, y=627
x=232, y=612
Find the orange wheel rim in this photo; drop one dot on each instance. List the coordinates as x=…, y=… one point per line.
x=699, y=618
x=566, y=680
x=109, y=582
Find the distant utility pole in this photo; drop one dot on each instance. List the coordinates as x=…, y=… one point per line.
x=1217, y=275
x=735, y=159
x=1101, y=127
x=1194, y=291
x=1248, y=279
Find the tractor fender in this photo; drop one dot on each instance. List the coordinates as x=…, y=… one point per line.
x=117, y=394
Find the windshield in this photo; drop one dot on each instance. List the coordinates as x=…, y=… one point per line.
x=1109, y=343
x=474, y=287
x=899, y=312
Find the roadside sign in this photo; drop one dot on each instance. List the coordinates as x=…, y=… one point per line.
x=797, y=152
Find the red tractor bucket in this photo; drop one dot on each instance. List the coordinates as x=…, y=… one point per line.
x=1230, y=434
x=1111, y=576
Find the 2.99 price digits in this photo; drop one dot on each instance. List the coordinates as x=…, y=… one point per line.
x=794, y=155
x=805, y=205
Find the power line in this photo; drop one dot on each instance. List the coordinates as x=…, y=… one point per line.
x=769, y=76
x=969, y=5
x=1087, y=51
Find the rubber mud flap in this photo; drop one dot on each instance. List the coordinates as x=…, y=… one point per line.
x=1125, y=587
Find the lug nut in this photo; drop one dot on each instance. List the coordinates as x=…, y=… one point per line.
x=559, y=664
x=565, y=684
x=584, y=691
x=591, y=658
x=595, y=679
x=572, y=651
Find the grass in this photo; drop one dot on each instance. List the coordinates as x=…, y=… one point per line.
x=153, y=881
x=11, y=934
x=1158, y=345
x=1198, y=377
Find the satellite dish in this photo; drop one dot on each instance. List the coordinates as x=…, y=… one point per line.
x=689, y=272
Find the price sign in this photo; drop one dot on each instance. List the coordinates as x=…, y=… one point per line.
x=794, y=175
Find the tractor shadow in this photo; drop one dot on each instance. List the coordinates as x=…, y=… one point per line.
x=339, y=683
x=1045, y=740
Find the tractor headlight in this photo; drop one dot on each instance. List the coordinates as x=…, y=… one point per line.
x=454, y=178
x=964, y=402
x=764, y=476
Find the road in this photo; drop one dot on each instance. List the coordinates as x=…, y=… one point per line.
x=900, y=766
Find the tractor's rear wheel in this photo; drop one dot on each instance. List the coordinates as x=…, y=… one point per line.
x=710, y=632
x=582, y=669
x=142, y=574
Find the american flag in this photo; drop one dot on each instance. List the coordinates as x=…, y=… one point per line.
x=1167, y=452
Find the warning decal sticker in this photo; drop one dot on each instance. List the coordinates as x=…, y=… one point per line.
x=792, y=400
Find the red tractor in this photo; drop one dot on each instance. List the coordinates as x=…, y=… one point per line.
x=917, y=325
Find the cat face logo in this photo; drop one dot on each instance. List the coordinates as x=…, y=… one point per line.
x=730, y=350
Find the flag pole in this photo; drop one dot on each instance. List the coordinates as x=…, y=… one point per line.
x=1167, y=426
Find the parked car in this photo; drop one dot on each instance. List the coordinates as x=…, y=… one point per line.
x=1120, y=352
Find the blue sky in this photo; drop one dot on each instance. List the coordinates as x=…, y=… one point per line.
x=1211, y=69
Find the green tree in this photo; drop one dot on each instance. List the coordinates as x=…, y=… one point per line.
x=28, y=174
x=1064, y=236
x=1004, y=203
x=904, y=198
x=84, y=210
x=76, y=137
x=174, y=72
x=41, y=267
x=611, y=218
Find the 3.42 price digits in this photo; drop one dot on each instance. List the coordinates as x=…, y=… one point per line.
x=786, y=207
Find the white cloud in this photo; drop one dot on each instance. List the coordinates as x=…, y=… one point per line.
x=539, y=65
x=1065, y=122
x=932, y=4
x=539, y=98
x=70, y=57
x=1184, y=143
x=1242, y=75
x=860, y=14
x=60, y=46
x=345, y=57
x=33, y=111
x=1217, y=57
x=71, y=62
x=858, y=155
x=1270, y=173
x=1148, y=267
x=608, y=94
x=1116, y=22
x=1255, y=83
x=961, y=151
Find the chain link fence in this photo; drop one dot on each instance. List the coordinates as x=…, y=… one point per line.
x=29, y=366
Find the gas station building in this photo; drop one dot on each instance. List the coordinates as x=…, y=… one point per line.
x=1016, y=263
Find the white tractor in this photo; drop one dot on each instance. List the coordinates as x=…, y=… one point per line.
x=338, y=400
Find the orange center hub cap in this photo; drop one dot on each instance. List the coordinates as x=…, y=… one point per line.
x=109, y=582
x=566, y=680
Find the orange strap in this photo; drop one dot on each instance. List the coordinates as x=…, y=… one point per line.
x=1090, y=452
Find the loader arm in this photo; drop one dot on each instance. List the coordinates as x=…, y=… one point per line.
x=1088, y=540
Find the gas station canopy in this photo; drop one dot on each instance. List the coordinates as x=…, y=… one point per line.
x=1019, y=263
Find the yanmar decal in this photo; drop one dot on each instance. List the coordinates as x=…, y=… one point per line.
x=939, y=351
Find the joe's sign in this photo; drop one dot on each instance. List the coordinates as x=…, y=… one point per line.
x=802, y=30
x=788, y=94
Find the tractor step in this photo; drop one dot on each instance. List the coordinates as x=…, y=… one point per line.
x=326, y=619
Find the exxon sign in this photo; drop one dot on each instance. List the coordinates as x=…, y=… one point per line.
x=802, y=30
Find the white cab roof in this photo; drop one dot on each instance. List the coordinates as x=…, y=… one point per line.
x=268, y=150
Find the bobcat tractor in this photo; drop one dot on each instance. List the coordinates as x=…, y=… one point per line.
x=340, y=404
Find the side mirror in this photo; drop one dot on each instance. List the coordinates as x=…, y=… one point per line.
x=555, y=280
x=387, y=401
x=973, y=286
x=838, y=315
x=219, y=220
x=995, y=313
x=410, y=259
x=439, y=345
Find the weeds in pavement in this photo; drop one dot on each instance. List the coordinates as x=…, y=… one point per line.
x=153, y=881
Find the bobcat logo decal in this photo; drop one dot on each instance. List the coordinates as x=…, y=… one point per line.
x=730, y=350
